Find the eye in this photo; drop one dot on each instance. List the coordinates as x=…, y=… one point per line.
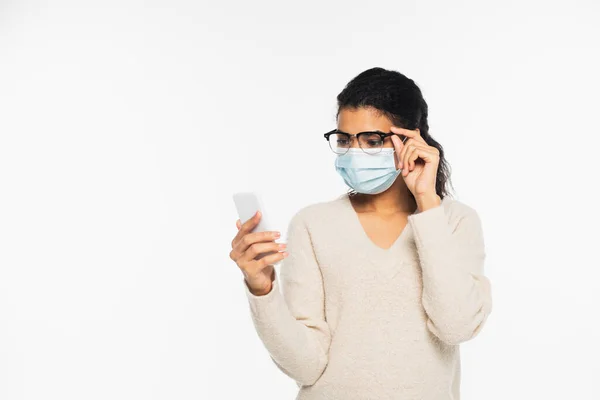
x=371, y=140
x=338, y=140
x=374, y=143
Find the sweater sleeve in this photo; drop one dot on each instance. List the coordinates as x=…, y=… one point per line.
x=456, y=294
x=290, y=319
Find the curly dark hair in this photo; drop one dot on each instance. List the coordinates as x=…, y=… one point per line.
x=399, y=99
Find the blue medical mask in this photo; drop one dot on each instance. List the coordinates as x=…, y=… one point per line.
x=368, y=173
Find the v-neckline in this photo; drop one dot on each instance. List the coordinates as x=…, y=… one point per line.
x=400, y=238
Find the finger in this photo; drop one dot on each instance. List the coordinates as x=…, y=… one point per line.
x=397, y=147
x=416, y=133
x=246, y=227
x=238, y=224
x=271, y=259
x=408, y=144
x=420, y=152
x=427, y=153
x=252, y=222
x=249, y=239
x=260, y=248
x=409, y=156
x=407, y=168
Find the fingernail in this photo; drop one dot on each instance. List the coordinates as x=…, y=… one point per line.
x=285, y=254
x=277, y=234
x=282, y=245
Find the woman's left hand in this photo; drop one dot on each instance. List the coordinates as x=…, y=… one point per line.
x=418, y=160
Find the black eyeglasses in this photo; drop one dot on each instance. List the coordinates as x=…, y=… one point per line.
x=371, y=142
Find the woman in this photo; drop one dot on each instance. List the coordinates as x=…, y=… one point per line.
x=380, y=285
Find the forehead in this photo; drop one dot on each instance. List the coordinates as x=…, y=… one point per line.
x=361, y=119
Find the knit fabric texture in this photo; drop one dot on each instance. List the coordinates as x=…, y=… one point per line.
x=349, y=320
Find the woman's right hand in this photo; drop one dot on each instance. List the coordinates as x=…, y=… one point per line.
x=246, y=246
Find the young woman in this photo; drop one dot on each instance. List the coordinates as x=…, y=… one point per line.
x=379, y=286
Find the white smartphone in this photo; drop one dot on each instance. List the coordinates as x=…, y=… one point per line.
x=247, y=203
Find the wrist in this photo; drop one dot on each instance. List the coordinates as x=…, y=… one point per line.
x=427, y=201
x=260, y=291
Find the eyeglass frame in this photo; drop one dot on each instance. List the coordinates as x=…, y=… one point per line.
x=382, y=135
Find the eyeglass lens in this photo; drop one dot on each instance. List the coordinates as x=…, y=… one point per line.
x=368, y=142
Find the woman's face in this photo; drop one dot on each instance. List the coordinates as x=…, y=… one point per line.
x=364, y=119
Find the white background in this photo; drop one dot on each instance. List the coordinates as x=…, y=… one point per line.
x=126, y=125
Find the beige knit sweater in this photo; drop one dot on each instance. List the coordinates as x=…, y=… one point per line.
x=349, y=320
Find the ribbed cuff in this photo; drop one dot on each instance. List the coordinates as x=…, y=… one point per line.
x=262, y=306
x=430, y=226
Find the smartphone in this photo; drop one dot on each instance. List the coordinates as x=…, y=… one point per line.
x=247, y=204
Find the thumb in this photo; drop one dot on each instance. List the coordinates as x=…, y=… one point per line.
x=397, y=147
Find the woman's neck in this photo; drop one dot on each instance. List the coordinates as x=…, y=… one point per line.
x=395, y=199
